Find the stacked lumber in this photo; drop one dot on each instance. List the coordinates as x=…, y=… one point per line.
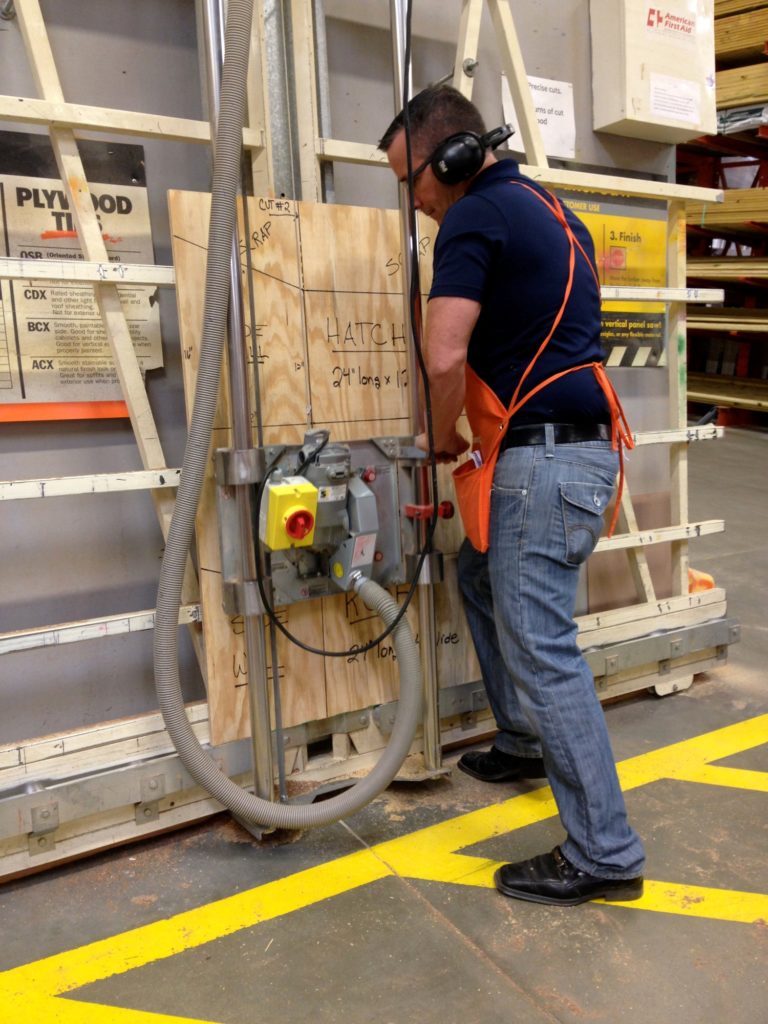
x=728, y=342
x=742, y=37
x=731, y=392
x=728, y=319
x=727, y=268
x=741, y=34
x=742, y=209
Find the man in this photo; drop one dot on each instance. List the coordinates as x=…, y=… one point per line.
x=513, y=326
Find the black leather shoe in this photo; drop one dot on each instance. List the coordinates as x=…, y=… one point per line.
x=495, y=766
x=550, y=878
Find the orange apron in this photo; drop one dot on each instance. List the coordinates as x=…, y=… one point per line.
x=489, y=418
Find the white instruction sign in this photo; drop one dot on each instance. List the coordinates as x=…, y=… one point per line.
x=53, y=344
x=675, y=98
x=553, y=104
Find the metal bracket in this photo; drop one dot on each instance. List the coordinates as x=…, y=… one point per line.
x=243, y=597
x=251, y=827
x=464, y=701
x=235, y=467
x=664, y=649
x=45, y=821
x=148, y=808
x=311, y=732
x=390, y=447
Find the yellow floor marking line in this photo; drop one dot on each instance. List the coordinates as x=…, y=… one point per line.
x=53, y=1010
x=736, y=778
x=432, y=853
x=190, y=929
x=699, y=901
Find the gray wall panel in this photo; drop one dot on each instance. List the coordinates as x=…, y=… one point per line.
x=81, y=557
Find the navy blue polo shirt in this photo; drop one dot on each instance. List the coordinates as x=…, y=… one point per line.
x=500, y=246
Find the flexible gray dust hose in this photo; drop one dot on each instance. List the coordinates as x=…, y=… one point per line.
x=199, y=764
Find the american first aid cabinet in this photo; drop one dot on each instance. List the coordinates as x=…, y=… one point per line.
x=653, y=68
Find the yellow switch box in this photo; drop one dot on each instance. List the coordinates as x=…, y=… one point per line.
x=288, y=513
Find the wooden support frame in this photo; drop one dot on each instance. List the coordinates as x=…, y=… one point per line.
x=94, y=272
x=89, y=629
x=61, y=118
x=57, y=113
x=72, y=174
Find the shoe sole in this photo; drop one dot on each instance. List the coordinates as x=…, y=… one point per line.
x=617, y=895
x=513, y=775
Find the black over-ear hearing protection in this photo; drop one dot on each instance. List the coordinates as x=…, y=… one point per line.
x=461, y=155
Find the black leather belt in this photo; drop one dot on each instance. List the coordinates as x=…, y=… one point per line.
x=565, y=433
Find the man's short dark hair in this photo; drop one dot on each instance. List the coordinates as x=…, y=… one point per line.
x=434, y=114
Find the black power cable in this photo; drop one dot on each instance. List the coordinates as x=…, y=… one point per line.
x=414, y=309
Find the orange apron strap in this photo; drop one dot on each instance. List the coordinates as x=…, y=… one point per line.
x=557, y=209
x=489, y=418
x=554, y=205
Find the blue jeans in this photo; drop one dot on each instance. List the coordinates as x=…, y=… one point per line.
x=547, y=505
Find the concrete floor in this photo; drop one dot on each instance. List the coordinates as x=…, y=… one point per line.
x=402, y=949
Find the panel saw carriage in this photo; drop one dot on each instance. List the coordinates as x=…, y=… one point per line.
x=326, y=513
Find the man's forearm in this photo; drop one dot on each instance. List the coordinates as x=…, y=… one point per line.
x=447, y=398
x=450, y=322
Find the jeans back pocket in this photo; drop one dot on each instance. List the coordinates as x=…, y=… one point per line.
x=583, y=505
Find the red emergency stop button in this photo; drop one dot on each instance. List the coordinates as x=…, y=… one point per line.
x=299, y=524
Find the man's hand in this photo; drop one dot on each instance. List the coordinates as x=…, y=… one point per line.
x=449, y=452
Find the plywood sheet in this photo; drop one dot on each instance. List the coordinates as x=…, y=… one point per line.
x=276, y=342
x=329, y=338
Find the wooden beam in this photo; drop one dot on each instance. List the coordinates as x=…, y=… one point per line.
x=728, y=392
x=740, y=206
x=514, y=66
x=466, y=50
x=678, y=409
x=85, y=270
x=742, y=36
x=88, y=629
x=744, y=320
x=609, y=293
x=742, y=87
x=638, y=619
x=258, y=109
x=98, y=483
x=728, y=269
x=638, y=562
x=660, y=535
x=725, y=7
x=78, y=116
x=606, y=184
x=709, y=432
x=307, y=110
x=102, y=746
